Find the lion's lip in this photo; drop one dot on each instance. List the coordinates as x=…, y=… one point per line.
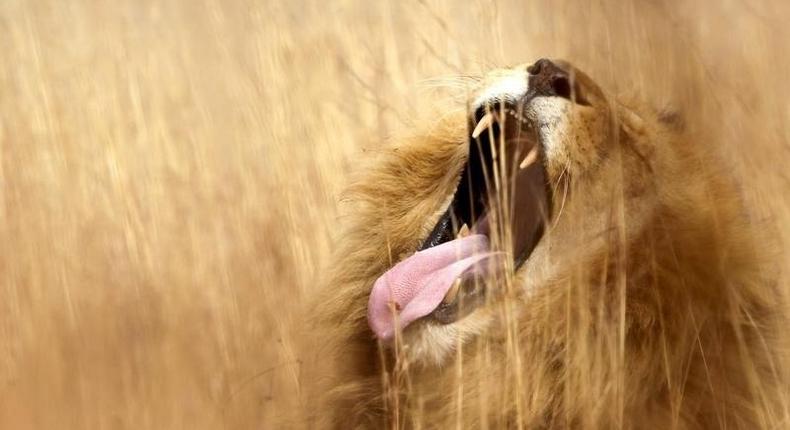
x=504, y=200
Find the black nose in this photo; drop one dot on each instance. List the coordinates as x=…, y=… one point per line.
x=548, y=79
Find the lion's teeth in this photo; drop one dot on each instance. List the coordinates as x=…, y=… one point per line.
x=463, y=231
x=530, y=158
x=453, y=292
x=484, y=123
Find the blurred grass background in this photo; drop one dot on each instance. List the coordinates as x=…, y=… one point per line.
x=170, y=171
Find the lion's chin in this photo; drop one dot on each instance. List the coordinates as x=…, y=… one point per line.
x=428, y=343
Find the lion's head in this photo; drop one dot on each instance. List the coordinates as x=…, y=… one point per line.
x=575, y=237
x=542, y=143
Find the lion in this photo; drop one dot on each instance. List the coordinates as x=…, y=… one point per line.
x=550, y=256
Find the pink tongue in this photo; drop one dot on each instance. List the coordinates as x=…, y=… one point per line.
x=417, y=285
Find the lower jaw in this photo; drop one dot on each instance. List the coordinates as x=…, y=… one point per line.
x=466, y=302
x=505, y=283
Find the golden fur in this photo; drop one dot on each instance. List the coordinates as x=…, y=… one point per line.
x=648, y=304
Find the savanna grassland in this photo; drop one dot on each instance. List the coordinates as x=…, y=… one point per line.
x=171, y=172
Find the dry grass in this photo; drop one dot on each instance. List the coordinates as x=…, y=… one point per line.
x=170, y=171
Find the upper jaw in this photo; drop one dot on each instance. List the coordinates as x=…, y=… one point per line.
x=509, y=88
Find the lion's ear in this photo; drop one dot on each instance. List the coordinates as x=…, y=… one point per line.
x=672, y=118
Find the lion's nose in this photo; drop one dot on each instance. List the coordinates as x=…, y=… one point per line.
x=548, y=79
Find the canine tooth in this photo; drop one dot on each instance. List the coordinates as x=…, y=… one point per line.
x=463, y=231
x=484, y=123
x=452, y=292
x=530, y=158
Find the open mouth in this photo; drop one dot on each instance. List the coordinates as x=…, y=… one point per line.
x=496, y=218
x=503, y=196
